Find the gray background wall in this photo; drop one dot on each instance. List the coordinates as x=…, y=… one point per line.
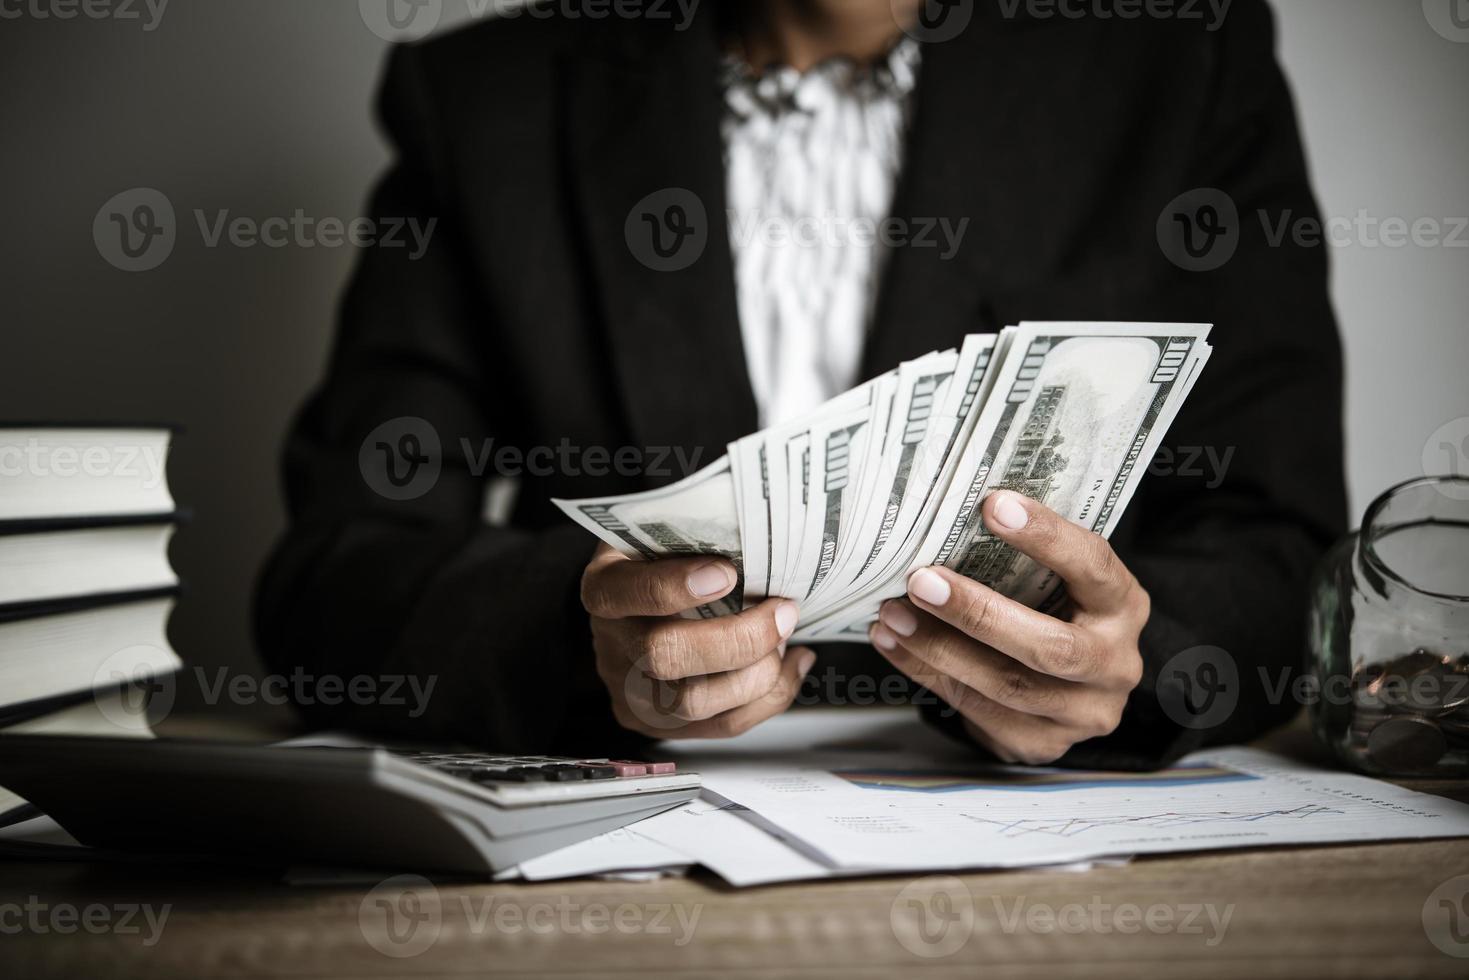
x=262, y=108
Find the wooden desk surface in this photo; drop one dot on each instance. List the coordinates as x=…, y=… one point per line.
x=1323, y=911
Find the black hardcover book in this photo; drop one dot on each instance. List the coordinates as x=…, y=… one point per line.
x=55, y=558
x=57, y=647
x=67, y=471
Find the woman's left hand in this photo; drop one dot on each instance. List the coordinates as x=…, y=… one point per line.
x=1028, y=685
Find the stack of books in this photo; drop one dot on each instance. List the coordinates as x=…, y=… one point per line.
x=86, y=587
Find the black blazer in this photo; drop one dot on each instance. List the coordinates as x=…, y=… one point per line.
x=530, y=321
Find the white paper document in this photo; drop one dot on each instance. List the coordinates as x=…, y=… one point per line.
x=718, y=836
x=745, y=850
x=826, y=792
x=918, y=815
x=619, y=850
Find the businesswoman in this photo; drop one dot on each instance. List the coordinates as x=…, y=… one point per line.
x=593, y=282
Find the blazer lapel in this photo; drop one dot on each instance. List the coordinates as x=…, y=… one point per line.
x=647, y=164
x=993, y=193
x=982, y=167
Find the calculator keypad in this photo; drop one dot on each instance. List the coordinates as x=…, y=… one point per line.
x=483, y=768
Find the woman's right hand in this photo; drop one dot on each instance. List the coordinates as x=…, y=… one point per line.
x=688, y=678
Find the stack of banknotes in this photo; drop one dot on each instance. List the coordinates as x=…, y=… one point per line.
x=836, y=508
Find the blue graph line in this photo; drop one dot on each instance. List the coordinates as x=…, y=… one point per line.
x=1074, y=826
x=868, y=779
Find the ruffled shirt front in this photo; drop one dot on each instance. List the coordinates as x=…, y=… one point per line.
x=811, y=161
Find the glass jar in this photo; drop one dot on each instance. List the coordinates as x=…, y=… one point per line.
x=1389, y=634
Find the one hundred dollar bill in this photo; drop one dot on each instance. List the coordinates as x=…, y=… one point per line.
x=835, y=509
x=695, y=516
x=1076, y=415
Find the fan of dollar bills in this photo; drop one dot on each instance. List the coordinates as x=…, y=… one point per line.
x=836, y=508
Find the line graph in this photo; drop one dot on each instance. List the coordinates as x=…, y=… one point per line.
x=1075, y=826
x=1040, y=781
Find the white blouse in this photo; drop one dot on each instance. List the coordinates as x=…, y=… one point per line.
x=811, y=160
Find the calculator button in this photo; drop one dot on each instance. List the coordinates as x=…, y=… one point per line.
x=662, y=768
x=527, y=774
x=495, y=776
x=599, y=772
x=561, y=773
x=626, y=768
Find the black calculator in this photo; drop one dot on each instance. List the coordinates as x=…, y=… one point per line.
x=366, y=808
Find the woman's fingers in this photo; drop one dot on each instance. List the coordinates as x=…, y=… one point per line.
x=1011, y=735
x=947, y=651
x=614, y=586
x=794, y=666
x=1095, y=578
x=1085, y=710
x=698, y=698
x=1043, y=643
x=671, y=649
